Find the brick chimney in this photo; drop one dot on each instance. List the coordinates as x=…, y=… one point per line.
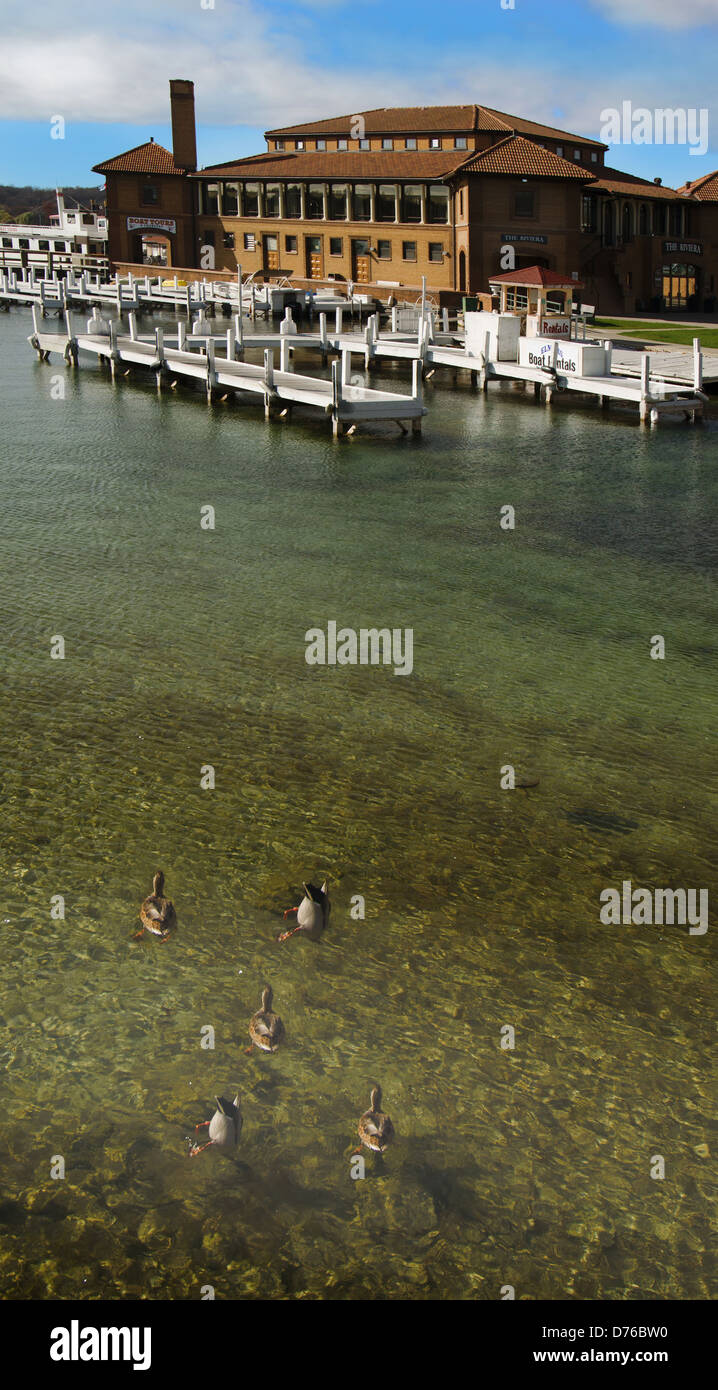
x=184, y=140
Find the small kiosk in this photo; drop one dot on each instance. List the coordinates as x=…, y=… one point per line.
x=543, y=299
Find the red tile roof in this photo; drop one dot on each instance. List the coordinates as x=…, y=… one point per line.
x=535, y=275
x=340, y=164
x=616, y=181
x=515, y=155
x=427, y=120
x=705, y=189
x=535, y=129
x=149, y=158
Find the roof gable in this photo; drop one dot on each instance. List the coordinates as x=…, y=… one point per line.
x=521, y=157
x=148, y=158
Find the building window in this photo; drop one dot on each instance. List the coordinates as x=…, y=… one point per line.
x=524, y=203
x=321, y=144
x=411, y=203
x=230, y=199
x=249, y=241
x=410, y=142
x=680, y=283
x=342, y=144
x=228, y=240
x=386, y=203
x=299, y=145
x=643, y=220
x=659, y=218
x=408, y=250
x=361, y=202
x=315, y=200
x=292, y=200
x=559, y=150
x=435, y=143
x=594, y=157
x=43, y=246
x=627, y=223
x=279, y=145
x=460, y=143
x=387, y=144
x=290, y=244
x=383, y=250
x=436, y=251
x=207, y=237
x=150, y=194
x=335, y=246
x=338, y=193
x=588, y=213
x=438, y=208
x=461, y=202
x=365, y=144
x=577, y=155
x=23, y=243
x=675, y=222
x=250, y=201
x=271, y=200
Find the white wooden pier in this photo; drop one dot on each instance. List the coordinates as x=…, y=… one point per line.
x=197, y=359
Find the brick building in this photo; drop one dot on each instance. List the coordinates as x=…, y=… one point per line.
x=382, y=198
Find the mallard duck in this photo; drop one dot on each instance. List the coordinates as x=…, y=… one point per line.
x=376, y=1130
x=266, y=1028
x=225, y=1126
x=312, y=912
x=157, y=913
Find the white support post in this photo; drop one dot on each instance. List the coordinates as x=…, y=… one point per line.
x=323, y=335
x=697, y=365
x=238, y=333
x=417, y=388
x=336, y=397
x=230, y=352
x=211, y=371
x=239, y=291
x=423, y=295
x=133, y=325
x=181, y=335
x=645, y=385
x=284, y=353
x=394, y=318
x=338, y=317
x=346, y=366
x=268, y=379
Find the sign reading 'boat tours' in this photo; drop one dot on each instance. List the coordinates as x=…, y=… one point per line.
x=156, y=224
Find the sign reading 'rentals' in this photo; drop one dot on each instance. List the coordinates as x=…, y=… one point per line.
x=156, y=224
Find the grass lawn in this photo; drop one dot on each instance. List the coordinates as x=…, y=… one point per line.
x=659, y=332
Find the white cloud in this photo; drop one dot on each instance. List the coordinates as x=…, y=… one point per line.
x=668, y=14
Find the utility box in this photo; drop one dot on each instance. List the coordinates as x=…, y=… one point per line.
x=572, y=359
x=503, y=330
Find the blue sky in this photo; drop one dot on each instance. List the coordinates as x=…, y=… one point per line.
x=105, y=68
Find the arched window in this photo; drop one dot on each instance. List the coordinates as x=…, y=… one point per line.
x=462, y=270
x=643, y=220
x=627, y=223
x=609, y=224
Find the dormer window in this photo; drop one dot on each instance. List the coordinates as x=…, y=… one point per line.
x=410, y=142
x=321, y=144
x=435, y=143
x=279, y=145
x=387, y=144
x=365, y=144
x=577, y=155
x=559, y=151
x=342, y=144
x=299, y=145
x=460, y=142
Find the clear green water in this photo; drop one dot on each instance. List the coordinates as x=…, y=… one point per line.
x=186, y=647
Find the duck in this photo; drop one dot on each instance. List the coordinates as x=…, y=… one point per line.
x=157, y=913
x=312, y=912
x=266, y=1028
x=375, y=1129
x=225, y=1126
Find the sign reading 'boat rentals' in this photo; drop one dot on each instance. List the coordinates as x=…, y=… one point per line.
x=158, y=224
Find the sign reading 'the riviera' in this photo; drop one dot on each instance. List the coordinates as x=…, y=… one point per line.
x=686, y=248
x=157, y=224
x=525, y=236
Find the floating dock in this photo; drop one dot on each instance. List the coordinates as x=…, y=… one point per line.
x=196, y=359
